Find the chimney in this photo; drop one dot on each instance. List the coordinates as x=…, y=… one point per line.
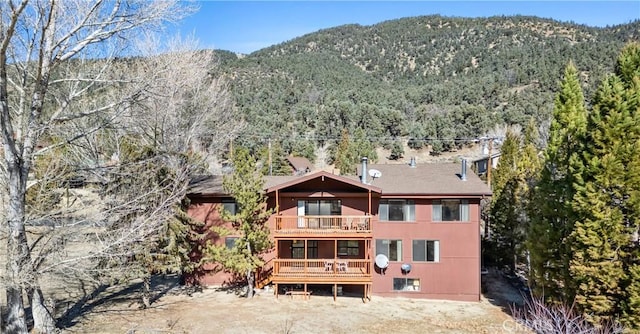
x=412, y=163
x=463, y=173
x=363, y=176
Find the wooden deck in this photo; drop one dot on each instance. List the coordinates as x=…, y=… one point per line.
x=323, y=226
x=322, y=271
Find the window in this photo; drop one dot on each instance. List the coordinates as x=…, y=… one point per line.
x=426, y=250
x=230, y=206
x=297, y=249
x=391, y=248
x=320, y=207
x=406, y=284
x=230, y=242
x=312, y=249
x=451, y=210
x=397, y=210
x=348, y=247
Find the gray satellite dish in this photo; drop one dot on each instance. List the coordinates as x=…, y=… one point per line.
x=374, y=173
x=382, y=261
x=406, y=267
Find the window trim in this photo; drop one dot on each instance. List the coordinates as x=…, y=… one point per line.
x=463, y=210
x=425, y=243
x=228, y=239
x=348, y=248
x=227, y=202
x=388, y=250
x=408, y=210
x=406, y=280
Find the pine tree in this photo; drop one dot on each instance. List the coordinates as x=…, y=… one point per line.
x=344, y=158
x=517, y=167
x=245, y=185
x=349, y=152
x=551, y=212
x=605, y=253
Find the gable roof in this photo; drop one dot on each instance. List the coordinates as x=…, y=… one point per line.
x=322, y=174
x=300, y=163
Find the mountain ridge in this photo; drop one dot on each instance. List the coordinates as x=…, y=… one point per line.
x=425, y=80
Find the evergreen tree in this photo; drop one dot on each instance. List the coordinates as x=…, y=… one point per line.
x=344, y=158
x=605, y=253
x=274, y=160
x=348, y=152
x=245, y=185
x=516, y=169
x=551, y=213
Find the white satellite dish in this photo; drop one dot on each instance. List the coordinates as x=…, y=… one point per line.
x=382, y=261
x=374, y=173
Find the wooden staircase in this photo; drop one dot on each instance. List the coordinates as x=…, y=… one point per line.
x=264, y=275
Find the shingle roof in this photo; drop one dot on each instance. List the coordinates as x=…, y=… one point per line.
x=397, y=179
x=427, y=179
x=300, y=163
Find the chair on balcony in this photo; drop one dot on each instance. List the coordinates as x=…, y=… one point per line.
x=328, y=265
x=342, y=266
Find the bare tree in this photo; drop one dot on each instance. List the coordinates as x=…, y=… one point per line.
x=70, y=91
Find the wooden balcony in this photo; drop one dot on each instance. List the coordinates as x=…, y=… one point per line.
x=323, y=226
x=322, y=271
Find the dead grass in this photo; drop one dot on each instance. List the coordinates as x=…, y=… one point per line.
x=116, y=310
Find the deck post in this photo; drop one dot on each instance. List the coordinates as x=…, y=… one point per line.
x=335, y=291
x=276, y=291
x=364, y=297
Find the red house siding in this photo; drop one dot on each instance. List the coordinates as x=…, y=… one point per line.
x=457, y=274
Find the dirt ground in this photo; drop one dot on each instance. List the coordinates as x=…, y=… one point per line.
x=116, y=310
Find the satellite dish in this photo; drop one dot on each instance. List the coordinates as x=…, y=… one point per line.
x=406, y=267
x=374, y=173
x=382, y=261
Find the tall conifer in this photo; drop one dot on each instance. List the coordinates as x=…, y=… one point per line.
x=605, y=264
x=249, y=221
x=552, y=214
x=517, y=167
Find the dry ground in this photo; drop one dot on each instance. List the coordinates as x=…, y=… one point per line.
x=217, y=311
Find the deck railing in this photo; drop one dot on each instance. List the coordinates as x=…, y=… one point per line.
x=322, y=224
x=322, y=268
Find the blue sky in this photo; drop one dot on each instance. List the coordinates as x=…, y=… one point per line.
x=247, y=26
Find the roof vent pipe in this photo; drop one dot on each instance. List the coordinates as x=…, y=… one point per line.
x=363, y=176
x=463, y=173
x=412, y=163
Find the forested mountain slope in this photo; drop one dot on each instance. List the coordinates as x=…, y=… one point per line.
x=427, y=80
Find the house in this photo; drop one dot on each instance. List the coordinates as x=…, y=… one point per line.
x=410, y=230
x=299, y=165
x=481, y=164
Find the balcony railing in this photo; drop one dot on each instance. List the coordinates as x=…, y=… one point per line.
x=322, y=224
x=322, y=269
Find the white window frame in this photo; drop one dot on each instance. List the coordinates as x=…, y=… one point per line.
x=409, y=284
x=463, y=210
x=408, y=210
x=424, y=244
x=383, y=246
